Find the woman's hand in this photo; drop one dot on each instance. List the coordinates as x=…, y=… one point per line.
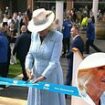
x=29, y=74
x=41, y=78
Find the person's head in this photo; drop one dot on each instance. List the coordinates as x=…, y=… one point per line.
x=85, y=15
x=19, y=14
x=14, y=15
x=41, y=21
x=72, y=12
x=5, y=26
x=74, y=30
x=5, y=15
x=23, y=28
x=25, y=20
x=7, y=7
x=91, y=76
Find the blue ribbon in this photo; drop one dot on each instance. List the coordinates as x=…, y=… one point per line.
x=63, y=89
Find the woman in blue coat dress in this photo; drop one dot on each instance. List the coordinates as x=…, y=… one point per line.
x=42, y=60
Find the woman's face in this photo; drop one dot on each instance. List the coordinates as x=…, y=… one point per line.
x=99, y=76
x=72, y=31
x=94, y=81
x=44, y=33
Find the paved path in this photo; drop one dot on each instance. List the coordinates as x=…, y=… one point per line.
x=13, y=96
x=11, y=101
x=18, y=95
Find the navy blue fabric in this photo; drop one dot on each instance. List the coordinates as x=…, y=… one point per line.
x=3, y=48
x=22, y=45
x=67, y=24
x=91, y=31
x=77, y=43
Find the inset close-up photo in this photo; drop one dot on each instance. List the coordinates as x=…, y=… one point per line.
x=91, y=78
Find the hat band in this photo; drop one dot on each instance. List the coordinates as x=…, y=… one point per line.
x=40, y=22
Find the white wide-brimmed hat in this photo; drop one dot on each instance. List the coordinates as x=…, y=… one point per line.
x=93, y=60
x=41, y=20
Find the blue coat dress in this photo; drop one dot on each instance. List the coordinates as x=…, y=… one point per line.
x=43, y=58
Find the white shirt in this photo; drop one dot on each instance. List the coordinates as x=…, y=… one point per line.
x=75, y=37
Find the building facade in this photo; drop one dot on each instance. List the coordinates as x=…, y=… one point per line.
x=14, y=5
x=21, y=5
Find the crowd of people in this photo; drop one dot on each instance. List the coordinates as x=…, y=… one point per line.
x=16, y=38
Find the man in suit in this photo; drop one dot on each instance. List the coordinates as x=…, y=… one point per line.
x=21, y=48
x=91, y=37
x=3, y=55
x=67, y=24
x=77, y=42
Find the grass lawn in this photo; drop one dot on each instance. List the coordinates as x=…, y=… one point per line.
x=14, y=70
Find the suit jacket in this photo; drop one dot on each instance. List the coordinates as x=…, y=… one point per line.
x=77, y=43
x=90, y=31
x=22, y=45
x=3, y=48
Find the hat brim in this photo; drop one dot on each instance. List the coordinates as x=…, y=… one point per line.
x=93, y=60
x=37, y=28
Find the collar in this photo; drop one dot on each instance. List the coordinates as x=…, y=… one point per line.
x=75, y=37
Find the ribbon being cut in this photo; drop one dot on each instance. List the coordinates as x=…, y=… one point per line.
x=63, y=89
